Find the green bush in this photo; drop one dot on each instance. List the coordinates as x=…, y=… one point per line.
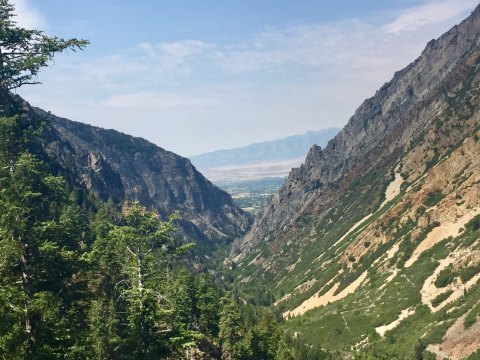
x=445, y=277
x=441, y=298
x=471, y=317
x=433, y=198
x=474, y=224
x=469, y=272
x=469, y=321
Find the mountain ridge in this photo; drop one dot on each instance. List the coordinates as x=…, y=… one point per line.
x=122, y=167
x=287, y=148
x=323, y=169
x=371, y=248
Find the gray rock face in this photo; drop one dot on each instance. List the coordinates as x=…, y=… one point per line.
x=381, y=127
x=122, y=167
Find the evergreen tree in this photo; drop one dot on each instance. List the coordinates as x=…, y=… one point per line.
x=420, y=347
x=184, y=294
x=137, y=275
x=79, y=279
x=266, y=336
x=24, y=52
x=107, y=312
x=40, y=257
x=207, y=306
x=284, y=351
x=236, y=343
x=41, y=233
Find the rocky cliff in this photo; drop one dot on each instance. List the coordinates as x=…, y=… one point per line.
x=381, y=128
x=122, y=167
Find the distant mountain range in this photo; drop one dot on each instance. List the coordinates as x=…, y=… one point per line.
x=260, y=160
x=288, y=148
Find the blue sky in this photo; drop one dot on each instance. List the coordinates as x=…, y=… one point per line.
x=195, y=76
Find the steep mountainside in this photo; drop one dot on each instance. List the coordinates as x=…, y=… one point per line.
x=119, y=166
x=378, y=234
x=288, y=148
x=382, y=128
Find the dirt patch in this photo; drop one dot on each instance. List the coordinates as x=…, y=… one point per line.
x=299, y=289
x=259, y=260
x=384, y=260
x=381, y=330
x=458, y=342
x=389, y=279
x=441, y=232
x=354, y=227
x=292, y=267
x=390, y=254
x=246, y=280
x=318, y=300
x=236, y=259
x=393, y=188
x=429, y=291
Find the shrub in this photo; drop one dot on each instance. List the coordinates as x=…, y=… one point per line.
x=445, y=277
x=474, y=224
x=433, y=198
x=441, y=298
x=471, y=317
x=469, y=272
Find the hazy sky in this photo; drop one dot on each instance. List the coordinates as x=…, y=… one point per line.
x=195, y=76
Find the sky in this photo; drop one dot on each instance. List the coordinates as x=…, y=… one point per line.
x=196, y=76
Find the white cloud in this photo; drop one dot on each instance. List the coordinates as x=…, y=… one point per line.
x=176, y=56
x=105, y=69
x=308, y=45
x=179, y=49
x=27, y=16
x=345, y=49
x=158, y=101
x=430, y=13
x=192, y=96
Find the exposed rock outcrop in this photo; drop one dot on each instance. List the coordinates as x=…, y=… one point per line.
x=122, y=167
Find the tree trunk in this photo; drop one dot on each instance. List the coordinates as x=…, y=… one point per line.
x=28, y=293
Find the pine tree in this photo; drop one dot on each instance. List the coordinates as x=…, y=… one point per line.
x=207, y=306
x=137, y=274
x=235, y=341
x=39, y=248
x=40, y=253
x=266, y=336
x=24, y=52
